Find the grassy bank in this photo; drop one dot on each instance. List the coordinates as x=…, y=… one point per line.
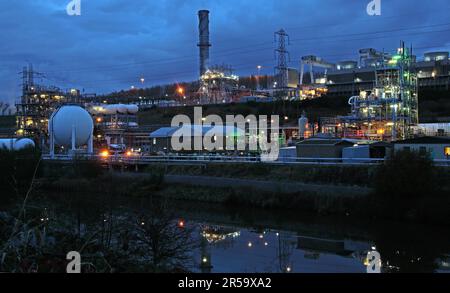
x=407, y=188
x=333, y=175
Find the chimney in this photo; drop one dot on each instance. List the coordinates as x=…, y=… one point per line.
x=203, y=16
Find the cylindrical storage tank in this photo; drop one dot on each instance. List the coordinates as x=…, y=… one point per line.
x=7, y=143
x=71, y=119
x=110, y=109
x=24, y=143
x=16, y=144
x=122, y=109
x=132, y=109
x=436, y=56
x=302, y=125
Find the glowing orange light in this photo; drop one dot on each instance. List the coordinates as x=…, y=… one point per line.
x=181, y=223
x=128, y=154
x=104, y=153
x=180, y=90
x=99, y=119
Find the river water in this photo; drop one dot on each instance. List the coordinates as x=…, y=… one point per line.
x=245, y=240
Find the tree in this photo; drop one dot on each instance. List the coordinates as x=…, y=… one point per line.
x=406, y=175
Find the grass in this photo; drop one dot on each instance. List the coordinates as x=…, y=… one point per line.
x=334, y=175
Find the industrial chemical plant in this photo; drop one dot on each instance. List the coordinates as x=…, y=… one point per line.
x=382, y=90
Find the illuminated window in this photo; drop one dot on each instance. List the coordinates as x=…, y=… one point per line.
x=447, y=151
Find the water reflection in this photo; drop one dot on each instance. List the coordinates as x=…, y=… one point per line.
x=237, y=242
x=228, y=249
x=144, y=235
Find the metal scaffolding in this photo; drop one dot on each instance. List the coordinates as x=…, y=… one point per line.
x=390, y=110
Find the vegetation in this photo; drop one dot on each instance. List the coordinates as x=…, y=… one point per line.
x=335, y=175
x=406, y=175
x=16, y=172
x=409, y=187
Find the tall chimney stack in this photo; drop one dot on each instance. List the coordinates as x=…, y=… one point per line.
x=203, y=27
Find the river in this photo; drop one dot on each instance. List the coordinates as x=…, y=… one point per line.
x=246, y=240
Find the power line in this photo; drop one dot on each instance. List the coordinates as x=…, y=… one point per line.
x=188, y=73
x=227, y=52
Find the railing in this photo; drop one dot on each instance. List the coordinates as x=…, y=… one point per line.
x=185, y=159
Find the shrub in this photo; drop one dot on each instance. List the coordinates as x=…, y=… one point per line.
x=407, y=175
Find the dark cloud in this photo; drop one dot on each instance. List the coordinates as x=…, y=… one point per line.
x=115, y=42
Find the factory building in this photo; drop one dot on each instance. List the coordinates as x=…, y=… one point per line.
x=385, y=110
x=437, y=147
x=217, y=85
x=36, y=105
x=323, y=148
x=350, y=77
x=161, y=139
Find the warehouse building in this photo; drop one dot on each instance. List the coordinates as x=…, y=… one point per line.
x=161, y=139
x=437, y=147
x=322, y=148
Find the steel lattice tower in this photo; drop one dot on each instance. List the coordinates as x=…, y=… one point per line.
x=282, y=70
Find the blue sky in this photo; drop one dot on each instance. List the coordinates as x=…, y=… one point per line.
x=115, y=42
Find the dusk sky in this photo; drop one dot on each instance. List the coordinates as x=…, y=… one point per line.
x=116, y=42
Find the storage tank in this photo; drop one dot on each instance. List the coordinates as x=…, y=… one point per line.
x=110, y=109
x=132, y=109
x=436, y=56
x=121, y=108
x=23, y=143
x=68, y=121
x=16, y=144
x=302, y=125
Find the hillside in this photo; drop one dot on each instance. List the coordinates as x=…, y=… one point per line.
x=434, y=106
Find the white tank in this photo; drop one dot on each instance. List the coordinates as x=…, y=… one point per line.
x=24, y=143
x=302, y=125
x=69, y=119
x=132, y=109
x=16, y=144
x=7, y=143
x=110, y=109
x=122, y=109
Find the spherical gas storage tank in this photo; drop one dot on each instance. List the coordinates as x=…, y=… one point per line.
x=71, y=119
x=16, y=144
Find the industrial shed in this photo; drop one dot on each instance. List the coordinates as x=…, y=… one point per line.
x=372, y=150
x=437, y=147
x=322, y=148
x=161, y=138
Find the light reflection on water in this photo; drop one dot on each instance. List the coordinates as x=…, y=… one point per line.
x=250, y=251
x=233, y=244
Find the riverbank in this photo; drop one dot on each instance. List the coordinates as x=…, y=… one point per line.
x=318, y=199
x=407, y=188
